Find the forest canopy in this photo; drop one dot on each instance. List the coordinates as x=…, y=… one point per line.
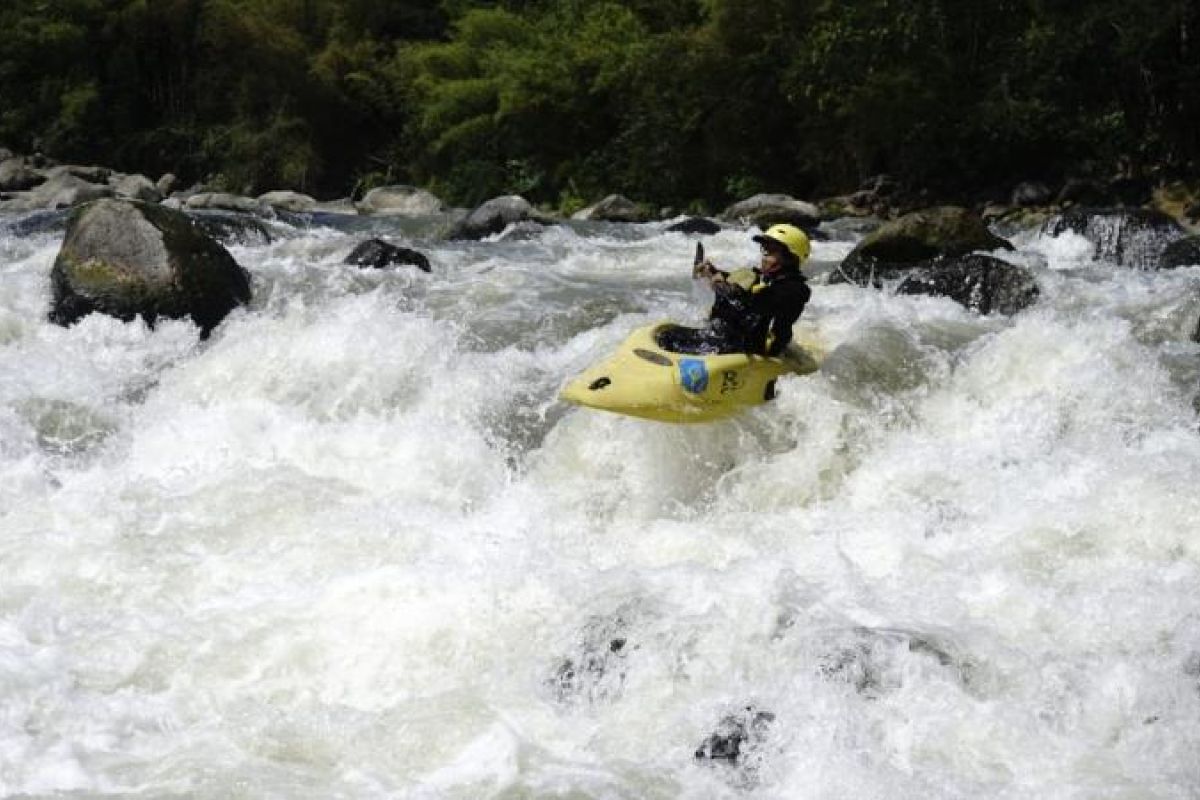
x=563, y=101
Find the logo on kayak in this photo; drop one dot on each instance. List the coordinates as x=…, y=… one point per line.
x=693, y=375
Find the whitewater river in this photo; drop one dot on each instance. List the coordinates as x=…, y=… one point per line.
x=353, y=546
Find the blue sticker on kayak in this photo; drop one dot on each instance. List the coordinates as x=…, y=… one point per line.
x=693, y=375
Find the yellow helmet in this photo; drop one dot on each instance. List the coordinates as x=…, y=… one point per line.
x=790, y=237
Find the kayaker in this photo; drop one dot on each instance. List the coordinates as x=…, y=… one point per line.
x=754, y=309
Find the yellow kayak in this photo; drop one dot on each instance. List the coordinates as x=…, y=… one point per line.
x=642, y=379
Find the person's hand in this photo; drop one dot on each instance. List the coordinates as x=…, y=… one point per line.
x=704, y=269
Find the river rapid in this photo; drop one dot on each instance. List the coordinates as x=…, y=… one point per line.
x=353, y=546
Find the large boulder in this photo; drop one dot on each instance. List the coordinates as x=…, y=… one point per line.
x=130, y=259
x=378, y=254
x=915, y=240
x=136, y=187
x=408, y=201
x=495, y=215
x=614, y=208
x=1131, y=237
x=765, y=210
x=980, y=282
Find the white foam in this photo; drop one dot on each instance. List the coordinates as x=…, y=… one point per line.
x=353, y=546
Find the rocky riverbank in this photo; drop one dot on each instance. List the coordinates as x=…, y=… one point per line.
x=947, y=250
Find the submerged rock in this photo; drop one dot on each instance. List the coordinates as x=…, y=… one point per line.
x=128, y=259
x=736, y=735
x=378, y=254
x=980, y=282
x=1131, y=237
x=739, y=744
x=1181, y=253
x=595, y=671
x=875, y=661
x=229, y=227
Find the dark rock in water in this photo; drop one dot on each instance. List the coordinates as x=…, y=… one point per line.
x=915, y=240
x=1131, y=191
x=614, y=208
x=738, y=739
x=127, y=259
x=1084, y=192
x=495, y=215
x=40, y=222
x=977, y=281
x=230, y=227
x=875, y=661
x=378, y=254
x=596, y=671
x=1131, y=237
x=1181, y=253
x=698, y=225
x=1030, y=193
x=16, y=176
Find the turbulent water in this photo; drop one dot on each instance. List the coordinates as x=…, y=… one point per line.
x=353, y=546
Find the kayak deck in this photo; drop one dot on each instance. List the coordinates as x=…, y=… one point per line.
x=642, y=379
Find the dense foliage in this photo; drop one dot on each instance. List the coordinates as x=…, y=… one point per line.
x=671, y=101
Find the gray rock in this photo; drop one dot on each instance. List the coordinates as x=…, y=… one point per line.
x=137, y=187
x=915, y=240
x=408, y=201
x=90, y=174
x=65, y=190
x=17, y=176
x=495, y=215
x=127, y=259
x=166, y=184
x=6, y=154
x=1031, y=193
x=1131, y=237
x=979, y=282
x=1181, y=253
x=378, y=254
x=342, y=206
x=288, y=201
x=614, y=208
x=222, y=201
x=765, y=210
x=735, y=736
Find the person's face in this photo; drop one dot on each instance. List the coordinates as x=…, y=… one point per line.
x=772, y=261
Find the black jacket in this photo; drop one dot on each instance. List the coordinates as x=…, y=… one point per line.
x=771, y=307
